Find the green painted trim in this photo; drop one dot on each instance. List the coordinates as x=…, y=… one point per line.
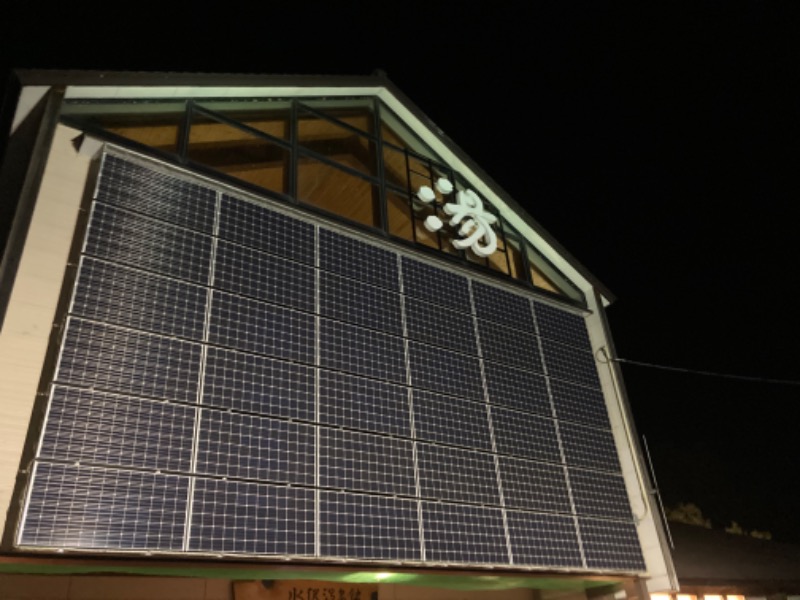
x=452, y=582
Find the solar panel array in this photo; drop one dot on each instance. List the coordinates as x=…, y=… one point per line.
x=235, y=380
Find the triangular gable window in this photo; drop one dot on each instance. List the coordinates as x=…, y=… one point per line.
x=352, y=158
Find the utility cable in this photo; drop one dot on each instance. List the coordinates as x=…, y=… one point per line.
x=639, y=363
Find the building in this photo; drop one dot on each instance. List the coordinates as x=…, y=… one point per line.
x=279, y=330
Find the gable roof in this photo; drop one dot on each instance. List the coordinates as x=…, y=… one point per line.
x=132, y=85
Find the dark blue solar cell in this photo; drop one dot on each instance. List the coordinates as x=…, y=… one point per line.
x=534, y=485
x=156, y=194
x=432, y=284
x=250, y=447
x=611, y=545
x=131, y=239
x=588, y=447
x=571, y=364
x=362, y=351
x=254, y=326
x=124, y=296
x=251, y=224
x=457, y=475
x=359, y=403
x=504, y=307
x=109, y=429
x=444, y=371
x=562, y=326
x=368, y=527
x=357, y=260
x=249, y=272
x=543, y=540
x=434, y=324
x=252, y=383
x=522, y=390
x=450, y=420
x=359, y=303
x=86, y=507
x=464, y=534
x=525, y=435
x=578, y=403
x=251, y=518
x=600, y=494
x=509, y=347
x=121, y=360
x=362, y=462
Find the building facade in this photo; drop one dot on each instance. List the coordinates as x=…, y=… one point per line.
x=282, y=328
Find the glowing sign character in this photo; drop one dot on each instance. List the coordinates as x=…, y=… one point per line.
x=476, y=223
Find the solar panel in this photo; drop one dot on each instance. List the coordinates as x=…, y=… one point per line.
x=517, y=389
x=313, y=394
x=611, y=545
x=85, y=507
x=251, y=518
x=599, y=494
x=114, y=359
x=444, y=371
x=253, y=273
x=571, y=364
x=130, y=239
x=253, y=326
x=250, y=224
x=525, y=435
x=463, y=534
x=368, y=527
x=578, y=403
x=359, y=260
x=561, y=326
x=450, y=420
x=543, y=540
x=435, y=285
x=356, y=461
x=257, y=384
x=433, y=324
x=361, y=351
x=110, y=429
x=360, y=403
x=508, y=346
x=504, y=307
x=534, y=485
x=251, y=447
x=457, y=475
x=124, y=296
x=587, y=447
x=360, y=304
x=141, y=189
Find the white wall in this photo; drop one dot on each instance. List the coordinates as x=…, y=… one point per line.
x=29, y=318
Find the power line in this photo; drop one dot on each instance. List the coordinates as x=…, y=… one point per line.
x=639, y=363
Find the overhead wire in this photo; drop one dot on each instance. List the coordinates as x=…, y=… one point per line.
x=750, y=378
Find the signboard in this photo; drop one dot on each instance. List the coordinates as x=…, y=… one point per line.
x=293, y=589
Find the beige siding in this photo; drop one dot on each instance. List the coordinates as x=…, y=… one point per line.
x=32, y=305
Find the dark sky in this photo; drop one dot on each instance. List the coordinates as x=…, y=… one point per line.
x=658, y=144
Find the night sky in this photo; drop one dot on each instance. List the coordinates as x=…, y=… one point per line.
x=658, y=145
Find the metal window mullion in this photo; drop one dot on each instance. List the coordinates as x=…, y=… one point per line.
x=241, y=126
x=383, y=209
x=490, y=422
x=293, y=157
x=187, y=526
x=410, y=397
x=337, y=165
x=183, y=132
x=558, y=437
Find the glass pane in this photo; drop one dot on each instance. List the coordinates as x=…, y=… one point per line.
x=271, y=118
x=336, y=142
x=155, y=130
x=515, y=259
x=337, y=191
x=238, y=154
x=356, y=112
x=394, y=167
x=399, y=214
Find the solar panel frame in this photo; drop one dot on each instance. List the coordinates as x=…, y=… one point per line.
x=501, y=306
x=611, y=545
x=437, y=286
x=450, y=420
x=532, y=485
x=439, y=326
x=544, y=540
x=457, y=475
x=509, y=347
x=360, y=304
x=525, y=435
x=589, y=447
x=460, y=533
x=359, y=260
x=440, y=370
x=361, y=351
x=517, y=389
